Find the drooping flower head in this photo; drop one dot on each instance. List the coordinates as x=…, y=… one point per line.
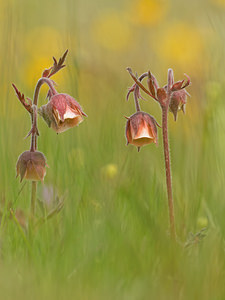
x=141, y=129
x=178, y=96
x=177, y=102
x=62, y=112
x=31, y=166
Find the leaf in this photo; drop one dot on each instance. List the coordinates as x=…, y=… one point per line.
x=151, y=84
x=20, y=96
x=138, y=82
x=46, y=72
x=130, y=90
x=57, y=65
x=177, y=86
x=188, y=82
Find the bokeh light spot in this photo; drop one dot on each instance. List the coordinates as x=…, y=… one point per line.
x=148, y=12
x=112, y=31
x=181, y=45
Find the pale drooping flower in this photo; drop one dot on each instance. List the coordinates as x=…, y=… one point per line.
x=62, y=112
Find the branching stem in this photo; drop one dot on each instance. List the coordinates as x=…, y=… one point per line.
x=34, y=133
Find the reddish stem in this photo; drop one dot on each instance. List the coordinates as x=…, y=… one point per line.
x=137, y=104
x=34, y=130
x=164, y=103
x=35, y=101
x=168, y=170
x=165, y=110
x=38, y=86
x=33, y=148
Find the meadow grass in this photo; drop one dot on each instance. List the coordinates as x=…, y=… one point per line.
x=111, y=239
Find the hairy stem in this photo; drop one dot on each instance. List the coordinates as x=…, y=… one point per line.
x=168, y=170
x=33, y=148
x=38, y=86
x=34, y=132
x=137, y=105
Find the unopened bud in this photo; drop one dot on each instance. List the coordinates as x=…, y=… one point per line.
x=178, y=101
x=31, y=166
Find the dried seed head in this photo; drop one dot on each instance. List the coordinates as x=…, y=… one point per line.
x=62, y=112
x=141, y=129
x=31, y=166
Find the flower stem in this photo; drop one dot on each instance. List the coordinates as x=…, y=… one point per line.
x=137, y=104
x=34, y=133
x=34, y=129
x=33, y=148
x=38, y=86
x=168, y=170
x=33, y=198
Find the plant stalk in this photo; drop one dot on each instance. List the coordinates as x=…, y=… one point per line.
x=137, y=104
x=168, y=170
x=34, y=132
x=33, y=198
x=38, y=86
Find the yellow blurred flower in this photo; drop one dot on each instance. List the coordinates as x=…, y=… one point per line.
x=110, y=171
x=112, y=31
x=202, y=222
x=34, y=68
x=181, y=46
x=42, y=43
x=148, y=12
x=220, y=3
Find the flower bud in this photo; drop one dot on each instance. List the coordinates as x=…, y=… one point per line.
x=141, y=129
x=31, y=166
x=177, y=102
x=62, y=112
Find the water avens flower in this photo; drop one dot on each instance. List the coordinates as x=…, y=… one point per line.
x=141, y=129
x=31, y=166
x=62, y=112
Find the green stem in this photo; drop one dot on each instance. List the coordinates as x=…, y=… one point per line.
x=33, y=198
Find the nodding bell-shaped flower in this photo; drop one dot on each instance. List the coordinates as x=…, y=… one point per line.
x=62, y=112
x=178, y=101
x=31, y=166
x=141, y=129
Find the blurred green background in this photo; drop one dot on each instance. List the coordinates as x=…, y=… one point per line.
x=111, y=239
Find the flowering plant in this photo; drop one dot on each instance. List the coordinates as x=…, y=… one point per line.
x=60, y=113
x=141, y=127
